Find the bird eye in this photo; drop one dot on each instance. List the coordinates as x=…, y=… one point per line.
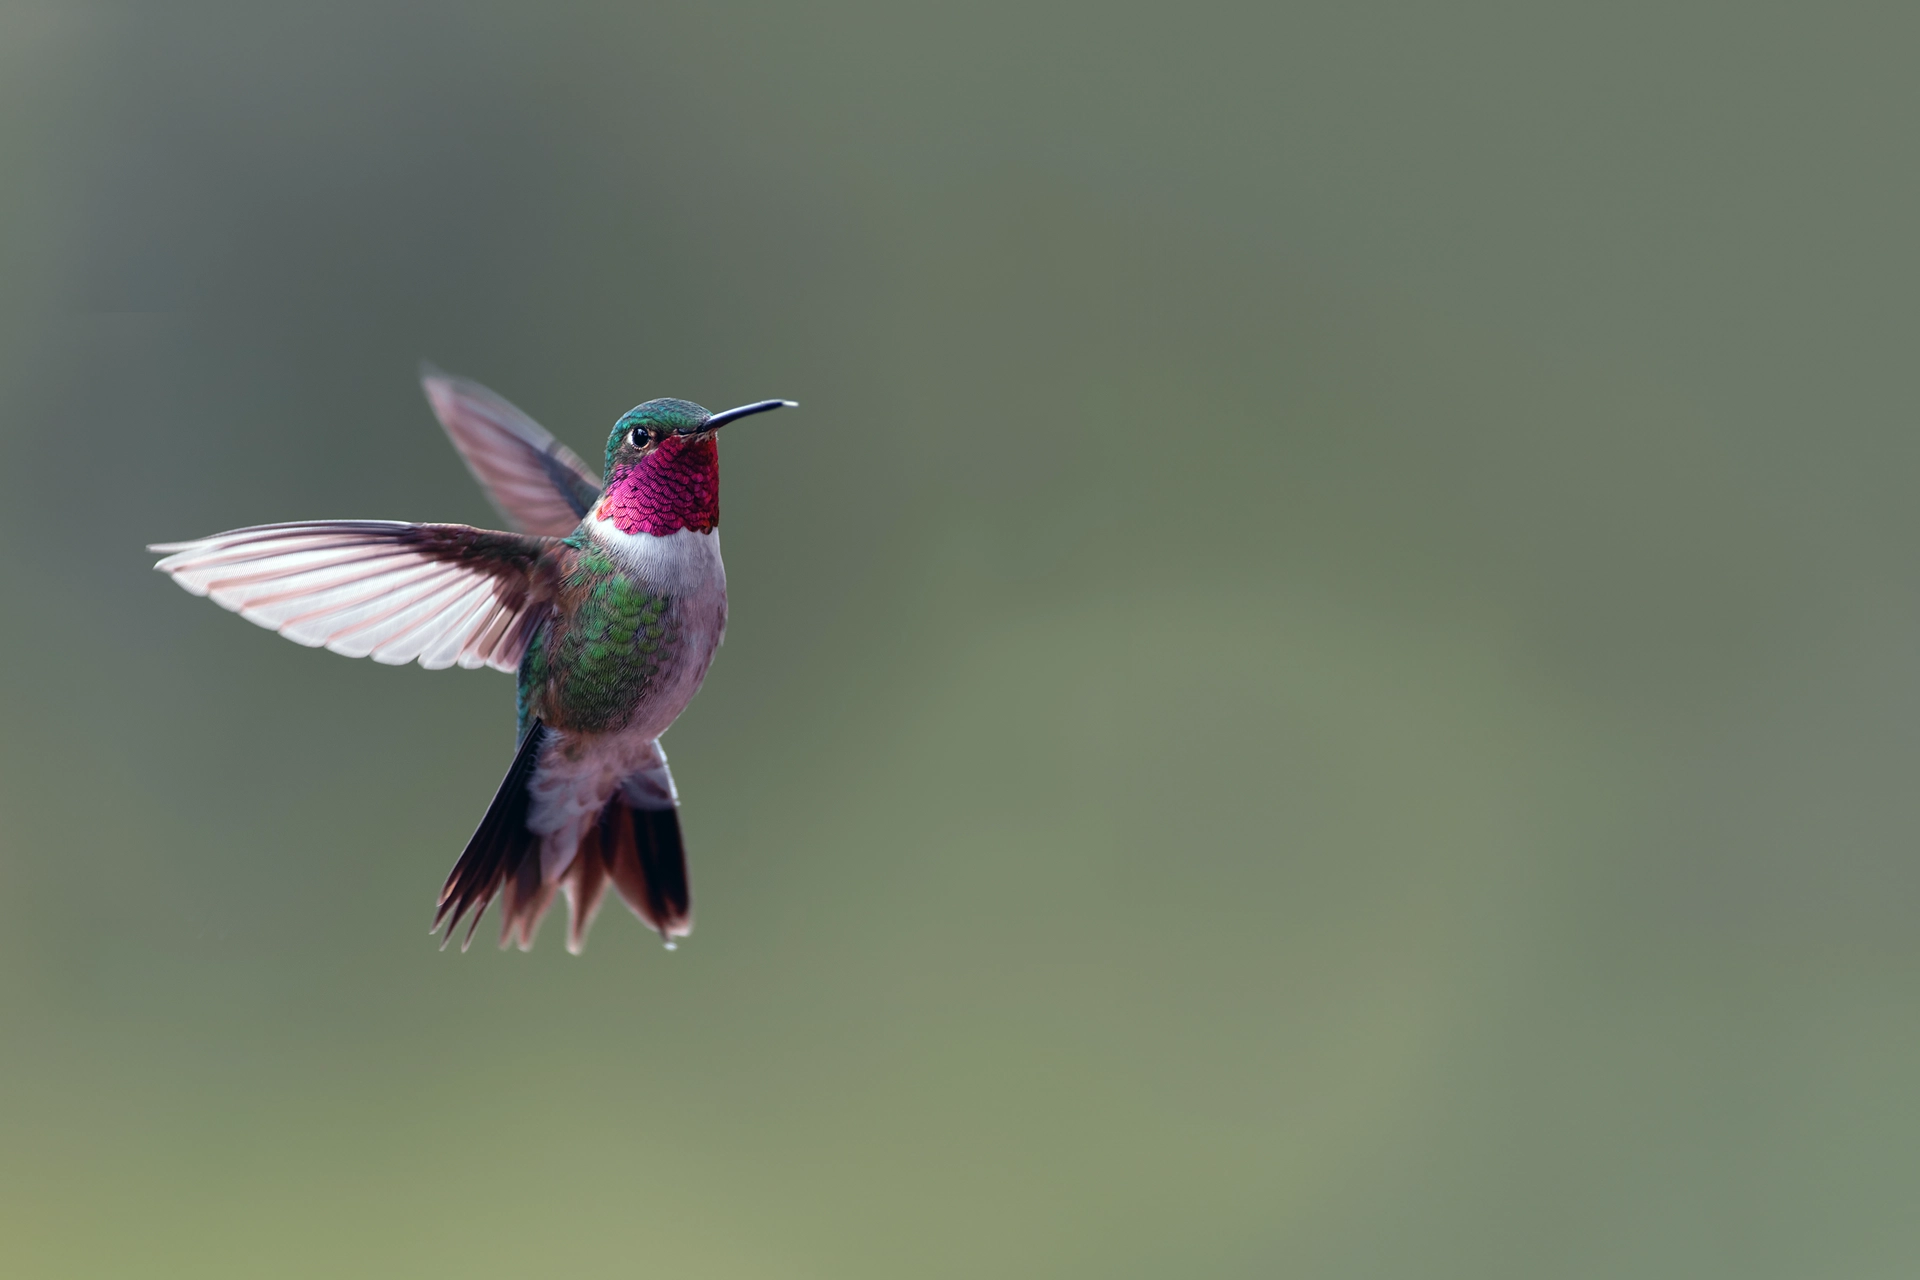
x=639, y=437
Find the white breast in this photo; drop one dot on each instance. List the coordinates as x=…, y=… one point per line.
x=683, y=564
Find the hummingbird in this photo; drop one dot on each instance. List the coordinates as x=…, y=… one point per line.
x=608, y=600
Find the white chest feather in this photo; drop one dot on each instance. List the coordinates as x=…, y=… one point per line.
x=684, y=565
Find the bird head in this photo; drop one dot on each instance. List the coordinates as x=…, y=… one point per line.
x=667, y=426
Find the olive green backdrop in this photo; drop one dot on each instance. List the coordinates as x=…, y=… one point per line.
x=1323, y=685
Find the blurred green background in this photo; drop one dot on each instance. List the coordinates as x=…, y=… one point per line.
x=1324, y=684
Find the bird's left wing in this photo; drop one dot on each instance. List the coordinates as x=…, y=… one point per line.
x=539, y=484
x=439, y=594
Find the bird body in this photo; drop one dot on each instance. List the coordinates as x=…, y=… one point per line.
x=609, y=606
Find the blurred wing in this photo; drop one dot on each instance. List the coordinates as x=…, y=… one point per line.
x=539, y=484
x=440, y=594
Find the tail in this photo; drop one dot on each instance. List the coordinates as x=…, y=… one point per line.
x=635, y=845
x=638, y=850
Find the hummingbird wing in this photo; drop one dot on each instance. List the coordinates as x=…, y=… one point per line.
x=439, y=594
x=539, y=484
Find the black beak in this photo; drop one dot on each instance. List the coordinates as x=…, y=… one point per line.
x=745, y=410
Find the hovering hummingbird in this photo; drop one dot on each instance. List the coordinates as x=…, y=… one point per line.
x=608, y=602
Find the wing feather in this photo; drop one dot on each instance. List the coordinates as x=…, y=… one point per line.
x=436, y=594
x=539, y=484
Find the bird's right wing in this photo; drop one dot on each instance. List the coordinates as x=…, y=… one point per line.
x=538, y=484
x=439, y=594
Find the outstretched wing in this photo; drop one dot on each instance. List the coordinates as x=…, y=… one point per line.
x=440, y=594
x=539, y=484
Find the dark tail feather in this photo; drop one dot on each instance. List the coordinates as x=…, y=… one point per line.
x=640, y=852
x=522, y=905
x=586, y=884
x=502, y=853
